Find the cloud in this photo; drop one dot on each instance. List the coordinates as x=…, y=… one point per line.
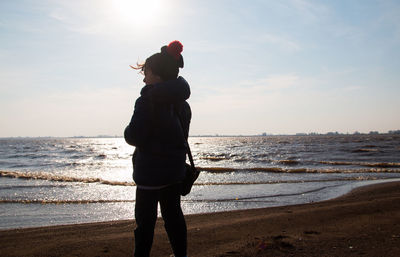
x=83, y=112
x=274, y=103
x=351, y=34
x=309, y=10
x=123, y=18
x=13, y=80
x=275, y=82
x=58, y=15
x=352, y=88
x=390, y=19
x=87, y=17
x=281, y=42
x=246, y=93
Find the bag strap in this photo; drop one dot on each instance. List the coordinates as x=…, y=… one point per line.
x=189, y=153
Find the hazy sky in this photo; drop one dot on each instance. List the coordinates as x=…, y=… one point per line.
x=254, y=66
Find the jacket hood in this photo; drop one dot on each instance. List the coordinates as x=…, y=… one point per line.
x=171, y=91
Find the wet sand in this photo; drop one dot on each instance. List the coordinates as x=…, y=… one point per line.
x=365, y=222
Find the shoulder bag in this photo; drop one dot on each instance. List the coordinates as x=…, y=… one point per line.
x=191, y=172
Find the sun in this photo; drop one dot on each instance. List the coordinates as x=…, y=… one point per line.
x=137, y=12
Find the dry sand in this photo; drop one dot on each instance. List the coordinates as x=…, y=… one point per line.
x=365, y=222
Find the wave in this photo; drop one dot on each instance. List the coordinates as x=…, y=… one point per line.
x=29, y=186
x=258, y=169
x=237, y=158
x=288, y=162
x=55, y=201
x=50, y=177
x=27, y=155
x=365, y=150
x=214, y=158
x=257, y=198
x=270, y=182
x=88, y=201
x=375, y=168
x=282, y=165
x=242, y=160
x=60, y=178
x=369, y=146
x=366, y=164
x=262, y=155
x=254, y=198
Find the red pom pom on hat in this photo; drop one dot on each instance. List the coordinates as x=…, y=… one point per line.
x=175, y=49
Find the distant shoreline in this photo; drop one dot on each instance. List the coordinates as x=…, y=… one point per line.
x=394, y=132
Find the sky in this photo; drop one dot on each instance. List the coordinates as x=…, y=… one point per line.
x=275, y=67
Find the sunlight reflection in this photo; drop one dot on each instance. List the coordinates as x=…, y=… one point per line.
x=138, y=12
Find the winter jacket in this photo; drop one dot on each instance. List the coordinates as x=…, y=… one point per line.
x=156, y=132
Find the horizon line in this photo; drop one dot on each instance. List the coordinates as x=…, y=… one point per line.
x=228, y=135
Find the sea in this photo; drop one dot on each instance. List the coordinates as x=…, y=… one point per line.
x=56, y=181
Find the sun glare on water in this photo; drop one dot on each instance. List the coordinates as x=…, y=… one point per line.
x=138, y=12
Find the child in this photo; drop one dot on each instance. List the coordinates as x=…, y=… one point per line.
x=158, y=128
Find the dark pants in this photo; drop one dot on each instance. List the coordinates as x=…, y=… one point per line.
x=146, y=216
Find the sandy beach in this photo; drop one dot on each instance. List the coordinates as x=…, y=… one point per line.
x=364, y=222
